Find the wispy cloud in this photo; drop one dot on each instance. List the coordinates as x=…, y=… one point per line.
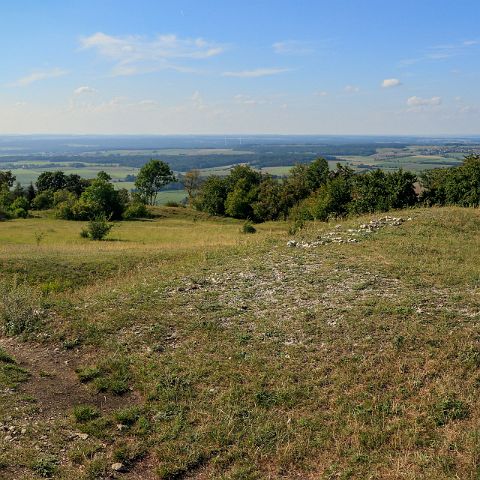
x=248, y=100
x=292, y=47
x=352, y=89
x=441, y=52
x=419, y=104
x=38, y=76
x=321, y=93
x=84, y=90
x=423, y=102
x=259, y=72
x=133, y=54
x=391, y=82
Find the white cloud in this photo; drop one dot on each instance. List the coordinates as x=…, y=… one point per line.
x=292, y=47
x=84, y=90
x=424, y=102
x=39, y=75
x=321, y=93
x=391, y=82
x=469, y=43
x=259, y=72
x=135, y=54
x=352, y=89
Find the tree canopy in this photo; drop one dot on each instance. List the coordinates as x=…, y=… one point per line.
x=153, y=176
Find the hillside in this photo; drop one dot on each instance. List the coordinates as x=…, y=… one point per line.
x=183, y=349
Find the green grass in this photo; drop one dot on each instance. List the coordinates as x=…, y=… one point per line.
x=242, y=358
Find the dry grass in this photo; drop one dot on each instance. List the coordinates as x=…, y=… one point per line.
x=249, y=359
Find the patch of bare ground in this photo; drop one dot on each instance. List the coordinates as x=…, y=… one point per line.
x=53, y=383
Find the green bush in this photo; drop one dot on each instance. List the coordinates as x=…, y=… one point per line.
x=171, y=203
x=136, y=210
x=248, y=228
x=97, y=229
x=20, y=309
x=43, y=200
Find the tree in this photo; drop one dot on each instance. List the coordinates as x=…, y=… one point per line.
x=153, y=176
x=212, y=196
x=52, y=181
x=30, y=193
x=76, y=184
x=269, y=201
x=192, y=182
x=7, y=179
x=317, y=174
x=238, y=203
x=100, y=198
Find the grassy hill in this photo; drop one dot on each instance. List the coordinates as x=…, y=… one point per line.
x=183, y=349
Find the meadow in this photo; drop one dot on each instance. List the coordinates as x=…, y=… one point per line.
x=182, y=348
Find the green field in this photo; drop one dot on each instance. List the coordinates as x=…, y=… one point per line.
x=182, y=348
x=27, y=175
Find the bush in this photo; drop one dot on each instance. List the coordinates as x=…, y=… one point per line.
x=20, y=213
x=20, y=309
x=97, y=229
x=171, y=203
x=248, y=228
x=136, y=210
x=43, y=200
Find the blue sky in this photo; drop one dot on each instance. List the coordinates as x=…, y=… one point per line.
x=221, y=66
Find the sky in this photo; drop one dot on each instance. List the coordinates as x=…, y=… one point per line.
x=240, y=67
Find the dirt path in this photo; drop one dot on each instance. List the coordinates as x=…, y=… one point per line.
x=53, y=382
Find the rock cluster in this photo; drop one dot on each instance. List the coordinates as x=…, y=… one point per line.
x=352, y=235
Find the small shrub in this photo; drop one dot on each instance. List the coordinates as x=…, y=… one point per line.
x=20, y=310
x=296, y=226
x=39, y=236
x=136, y=210
x=97, y=229
x=248, y=228
x=85, y=413
x=45, y=466
x=171, y=203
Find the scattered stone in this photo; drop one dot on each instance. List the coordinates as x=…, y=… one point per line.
x=82, y=436
x=350, y=236
x=117, y=467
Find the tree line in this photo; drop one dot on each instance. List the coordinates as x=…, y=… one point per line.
x=313, y=192
x=310, y=192
x=77, y=198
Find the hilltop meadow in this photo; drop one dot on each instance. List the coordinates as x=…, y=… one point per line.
x=180, y=347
